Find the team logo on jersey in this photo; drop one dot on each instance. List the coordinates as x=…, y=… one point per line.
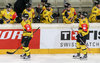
x=95, y=9
x=84, y=21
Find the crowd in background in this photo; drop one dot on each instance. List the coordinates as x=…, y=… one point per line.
x=46, y=14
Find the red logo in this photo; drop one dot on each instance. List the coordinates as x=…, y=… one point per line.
x=11, y=39
x=73, y=35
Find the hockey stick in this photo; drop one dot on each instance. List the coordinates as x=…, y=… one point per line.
x=82, y=41
x=21, y=44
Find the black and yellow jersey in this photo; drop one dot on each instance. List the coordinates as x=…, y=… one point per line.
x=95, y=12
x=9, y=17
x=71, y=16
x=25, y=27
x=83, y=26
x=47, y=18
x=31, y=14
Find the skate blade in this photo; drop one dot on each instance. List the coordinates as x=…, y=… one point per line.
x=26, y=58
x=83, y=59
x=76, y=58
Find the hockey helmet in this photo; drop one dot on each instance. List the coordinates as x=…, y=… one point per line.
x=47, y=5
x=67, y=5
x=85, y=14
x=8, y=5
x=28, y=5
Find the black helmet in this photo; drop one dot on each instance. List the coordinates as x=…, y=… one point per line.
x=97, y=2
x=85, y=14
x=8, y=5
x=47, y=5
x=44, y=1
x=28, y=5
x=25, y=15
x=67, y=5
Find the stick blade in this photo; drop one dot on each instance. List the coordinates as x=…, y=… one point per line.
x=9, y=52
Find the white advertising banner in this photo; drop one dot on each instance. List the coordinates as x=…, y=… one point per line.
x=66, y=38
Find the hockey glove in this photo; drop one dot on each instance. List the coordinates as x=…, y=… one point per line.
x=1, y=21
x=79, y=35
x=98, y=17
x=77, y=20
x=54, y=15
x=4, y=18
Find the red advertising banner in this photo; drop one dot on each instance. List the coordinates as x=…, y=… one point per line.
x=11, y=39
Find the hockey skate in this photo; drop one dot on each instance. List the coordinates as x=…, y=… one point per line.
x=77, y=56
x=84, y=57
x=27, y=57
x=22, y=55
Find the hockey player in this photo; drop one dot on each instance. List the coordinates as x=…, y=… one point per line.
x=39, y=10
x=27, y=35
x=1, y=20
x=29, y=10
x=47, y=14
x=78, y=17
x=95, y=15
x=69, y=14
x=19, y=7
x=8, y=15
x=82, y=36
x=43, y=4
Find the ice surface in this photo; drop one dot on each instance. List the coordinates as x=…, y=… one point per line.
x=49, y=58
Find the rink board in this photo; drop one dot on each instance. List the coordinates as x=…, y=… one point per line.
x=49, y=39
x=50, y=51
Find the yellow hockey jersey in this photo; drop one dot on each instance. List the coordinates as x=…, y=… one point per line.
x=81, y=28
x=25, y=33
x=9, y=16
x=95, y=12
x=47, y=18
x=71, y=18
x=41, y=15
x=31, y=14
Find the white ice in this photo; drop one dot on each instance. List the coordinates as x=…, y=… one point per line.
x=49, y=58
